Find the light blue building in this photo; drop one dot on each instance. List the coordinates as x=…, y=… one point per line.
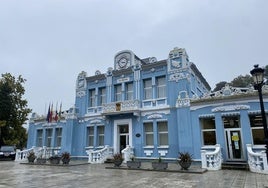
x=156, y=108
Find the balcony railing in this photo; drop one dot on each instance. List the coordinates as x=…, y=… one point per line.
x=123, y=106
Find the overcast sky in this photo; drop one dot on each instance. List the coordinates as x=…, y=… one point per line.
x=49, y=42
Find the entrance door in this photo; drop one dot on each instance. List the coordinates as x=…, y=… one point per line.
x=234, y=144
x=123, y=136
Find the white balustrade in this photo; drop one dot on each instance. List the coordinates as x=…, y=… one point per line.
x=121, y=106
x=257, y=161
x=21, y=156
x=128, y=152
x=99, y=156
x=212, y=160
x=40, y=152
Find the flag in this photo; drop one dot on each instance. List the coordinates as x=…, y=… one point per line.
x=60, y=112
x=51, y=114
x=56, y=114
x=48, y=113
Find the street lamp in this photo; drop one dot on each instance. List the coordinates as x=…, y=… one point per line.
x=258, y=74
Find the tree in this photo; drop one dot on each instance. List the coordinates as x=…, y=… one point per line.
x=242, y=81
x=220, y=85
x=13, y=111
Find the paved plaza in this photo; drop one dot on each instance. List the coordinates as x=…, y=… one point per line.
x=13, y=174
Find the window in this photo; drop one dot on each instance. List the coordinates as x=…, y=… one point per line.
x=161, y=87
x=58, y=136
x=148, y=94
x=39, y=138
x=149, y=134
x=118, y=90
x=49, y=137
x=102, y=94
x=162, y=128
x=129, y=91
x=231, y=122
x=92, y=98
x=208, y=131
x=90, y=133
x=257, y=129
x=100, y=135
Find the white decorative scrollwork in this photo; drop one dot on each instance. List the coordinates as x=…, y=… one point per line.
x=177, y=76
x=155, y=116
x=230, y=108
x=80, y=94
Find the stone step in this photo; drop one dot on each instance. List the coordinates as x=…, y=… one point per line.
x=235, y=165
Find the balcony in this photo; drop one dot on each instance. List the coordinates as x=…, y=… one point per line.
x=122, y=106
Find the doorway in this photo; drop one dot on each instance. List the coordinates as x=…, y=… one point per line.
x=234, y=144
x=122, y=134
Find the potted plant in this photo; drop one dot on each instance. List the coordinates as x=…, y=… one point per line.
x=41, y=160
x=117, y=159
x=185, y=160
x=133, y=163
x=65, y=158
x=159, y=164
x=55, y=159
x=31, y=156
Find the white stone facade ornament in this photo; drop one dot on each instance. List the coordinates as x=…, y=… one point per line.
x=97, y=72
x=95, y=121
x=230, y=108
x=177, y=76
x=183, y=100
x=81, y=84
x=123, y=60
x=152, y=60
x=155, y=116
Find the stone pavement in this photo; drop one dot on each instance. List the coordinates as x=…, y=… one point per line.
x=13, y=174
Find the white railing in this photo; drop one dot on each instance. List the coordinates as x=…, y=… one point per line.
x=121, y=106
x=40, y=152
x=257, y=161
x=99, y=156
x=128, y=152
x=21, y=156
x=212, y=160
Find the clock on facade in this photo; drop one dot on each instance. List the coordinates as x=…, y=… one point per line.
x=123, y=63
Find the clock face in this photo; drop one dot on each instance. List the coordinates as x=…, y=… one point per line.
x=123, y=62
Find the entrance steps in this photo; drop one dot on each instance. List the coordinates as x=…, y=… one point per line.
x=235, y=165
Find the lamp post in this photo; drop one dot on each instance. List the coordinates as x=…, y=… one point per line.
x=258, y=74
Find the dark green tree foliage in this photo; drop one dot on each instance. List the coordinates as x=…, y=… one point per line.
x=242, y=81
x=13, y=111
x=219, y=86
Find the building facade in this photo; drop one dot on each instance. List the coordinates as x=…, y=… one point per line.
x=158, y=108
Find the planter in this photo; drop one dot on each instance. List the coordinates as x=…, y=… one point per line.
x=31, y=159
x=185, y=165
x=133, y=164
x=65, y=161
x=159, y=165
x=117, y=163
x=55, y=160
x=41, y=161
